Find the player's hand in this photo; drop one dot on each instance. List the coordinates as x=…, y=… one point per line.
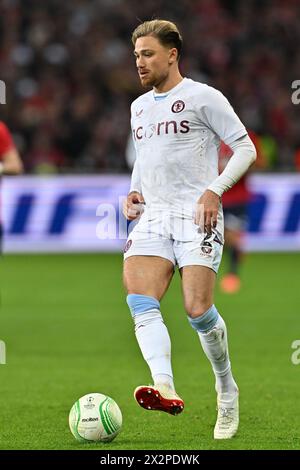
x=206, y=214
x=133, y=205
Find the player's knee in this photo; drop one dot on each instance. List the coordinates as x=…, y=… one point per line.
x=139, y=304
x=196, y=308
x=206, y=321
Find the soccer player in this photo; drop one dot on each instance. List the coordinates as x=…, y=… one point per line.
x=10, y=161
x=175, y=192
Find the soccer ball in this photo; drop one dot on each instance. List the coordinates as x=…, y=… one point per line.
x=95, y=417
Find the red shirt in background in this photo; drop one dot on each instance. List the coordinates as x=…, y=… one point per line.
x=6, y=142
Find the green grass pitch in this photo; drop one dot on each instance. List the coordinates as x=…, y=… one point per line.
x=68, y=332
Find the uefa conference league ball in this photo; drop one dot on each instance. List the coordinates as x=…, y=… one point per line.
x=95, y=417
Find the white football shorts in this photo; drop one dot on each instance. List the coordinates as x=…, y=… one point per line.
x=177, y=239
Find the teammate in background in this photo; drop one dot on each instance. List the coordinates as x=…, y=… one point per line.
x=177, y=127
x=235, y=203
x=10, y=161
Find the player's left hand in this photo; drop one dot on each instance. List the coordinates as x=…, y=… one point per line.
x=133, y=205
x=206, y=214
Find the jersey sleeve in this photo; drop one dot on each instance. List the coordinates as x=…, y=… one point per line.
x=215, y=111
x=136, y=179
x=244, y=154
x=136, y=184
x=6, y=142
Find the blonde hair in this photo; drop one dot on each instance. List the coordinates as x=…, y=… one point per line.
x=165, y=31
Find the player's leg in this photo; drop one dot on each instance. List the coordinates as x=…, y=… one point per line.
x=198, y=286
x=147, y=275
x=233, y=239
x=231, y=283
x=234, y=221
x=146, y=279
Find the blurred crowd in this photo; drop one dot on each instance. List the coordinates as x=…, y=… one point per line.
x=70, y=74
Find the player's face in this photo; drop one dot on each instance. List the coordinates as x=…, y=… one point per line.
x=153, y=60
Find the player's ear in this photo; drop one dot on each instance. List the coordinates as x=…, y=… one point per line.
x=173, y=55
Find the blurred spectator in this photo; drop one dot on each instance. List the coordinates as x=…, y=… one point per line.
x=10, y=160
x=71, y=77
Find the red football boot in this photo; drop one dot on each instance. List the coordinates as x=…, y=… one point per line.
x=159, y=398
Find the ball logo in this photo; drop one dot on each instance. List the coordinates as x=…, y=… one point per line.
x=178, y=106
x=89, y=404
x=127, y=246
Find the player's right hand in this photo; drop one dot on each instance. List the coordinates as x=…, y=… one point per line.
x=133, y=205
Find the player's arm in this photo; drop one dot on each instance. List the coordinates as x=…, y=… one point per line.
x=243, y=157
x=133, y=204
x=11, y=163
x=244, y=154
x=221, y=118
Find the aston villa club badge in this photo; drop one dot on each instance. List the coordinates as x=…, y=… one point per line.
x=178, y=106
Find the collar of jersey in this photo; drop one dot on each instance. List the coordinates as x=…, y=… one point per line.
x=161, y=96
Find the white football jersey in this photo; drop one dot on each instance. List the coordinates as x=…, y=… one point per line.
x=177, y=140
